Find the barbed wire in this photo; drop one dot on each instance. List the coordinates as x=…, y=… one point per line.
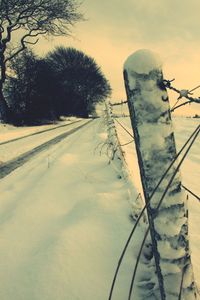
x=123, y=126
x=128, y=143
x=119, y=103
x=182, y=94
x=196, y=132
x=189, y=191
x=158, y=206
x=181, y=285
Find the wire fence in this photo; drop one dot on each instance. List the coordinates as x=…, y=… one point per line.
x=186, y=147
x=159, y=204
x=194, y=135
x=182, y=94
x=125, y=129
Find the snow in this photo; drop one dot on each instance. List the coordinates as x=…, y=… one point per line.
x=10, y=132
x=150, y=112
x=190, y=173
x=63, y=224
x=184, y=93
x=169, y=200
x=65, y=217
x=10, y=151
x=142, y=62
x=167, y=227
x=168, y=252
x=169, y=268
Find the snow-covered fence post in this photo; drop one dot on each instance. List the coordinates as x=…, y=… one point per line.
x=151, y=121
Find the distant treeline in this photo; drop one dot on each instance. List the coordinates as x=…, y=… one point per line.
x=66, y=82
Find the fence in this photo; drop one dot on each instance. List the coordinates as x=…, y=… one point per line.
x=114, y=150
x=166, y=203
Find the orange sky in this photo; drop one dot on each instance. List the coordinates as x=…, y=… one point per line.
x=114, y=29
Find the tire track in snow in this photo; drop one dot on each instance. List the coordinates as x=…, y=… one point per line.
x=17, y=162
x=38, y=132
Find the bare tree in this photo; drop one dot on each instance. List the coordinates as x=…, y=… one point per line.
x=30, y=19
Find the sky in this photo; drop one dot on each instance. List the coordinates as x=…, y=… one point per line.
x=114, y=29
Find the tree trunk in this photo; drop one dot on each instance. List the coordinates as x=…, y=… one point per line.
x=152, y=125
x=4, y=110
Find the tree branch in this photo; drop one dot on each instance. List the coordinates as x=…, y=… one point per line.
x=24, y=42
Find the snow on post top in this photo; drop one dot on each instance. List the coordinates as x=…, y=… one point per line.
x=142, y=62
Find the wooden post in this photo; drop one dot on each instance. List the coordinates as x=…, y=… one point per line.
x=155, y=144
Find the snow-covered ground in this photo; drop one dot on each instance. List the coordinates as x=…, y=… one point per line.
x=10, y=132
x=65, y=217
x=62, y=227
x=11, y=150
x=190, y=171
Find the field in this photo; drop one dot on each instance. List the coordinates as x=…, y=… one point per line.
x=65, y=214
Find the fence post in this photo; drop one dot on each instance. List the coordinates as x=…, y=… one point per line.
x=154, y=137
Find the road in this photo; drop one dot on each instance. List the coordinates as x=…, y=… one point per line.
x=11, y=150
x=39, y=132
x=16, y=162
x=64, y=218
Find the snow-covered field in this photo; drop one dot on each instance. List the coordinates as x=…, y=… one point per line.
x=190, y=171
x=65, y=217
x=62, y=226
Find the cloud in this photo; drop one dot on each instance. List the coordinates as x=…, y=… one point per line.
x=117, y=28
x=146, y=21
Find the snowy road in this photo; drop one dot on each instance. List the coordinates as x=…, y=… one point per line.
x=8, y=167
x=9, y=151
x=63, y=222
x=4, y=141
